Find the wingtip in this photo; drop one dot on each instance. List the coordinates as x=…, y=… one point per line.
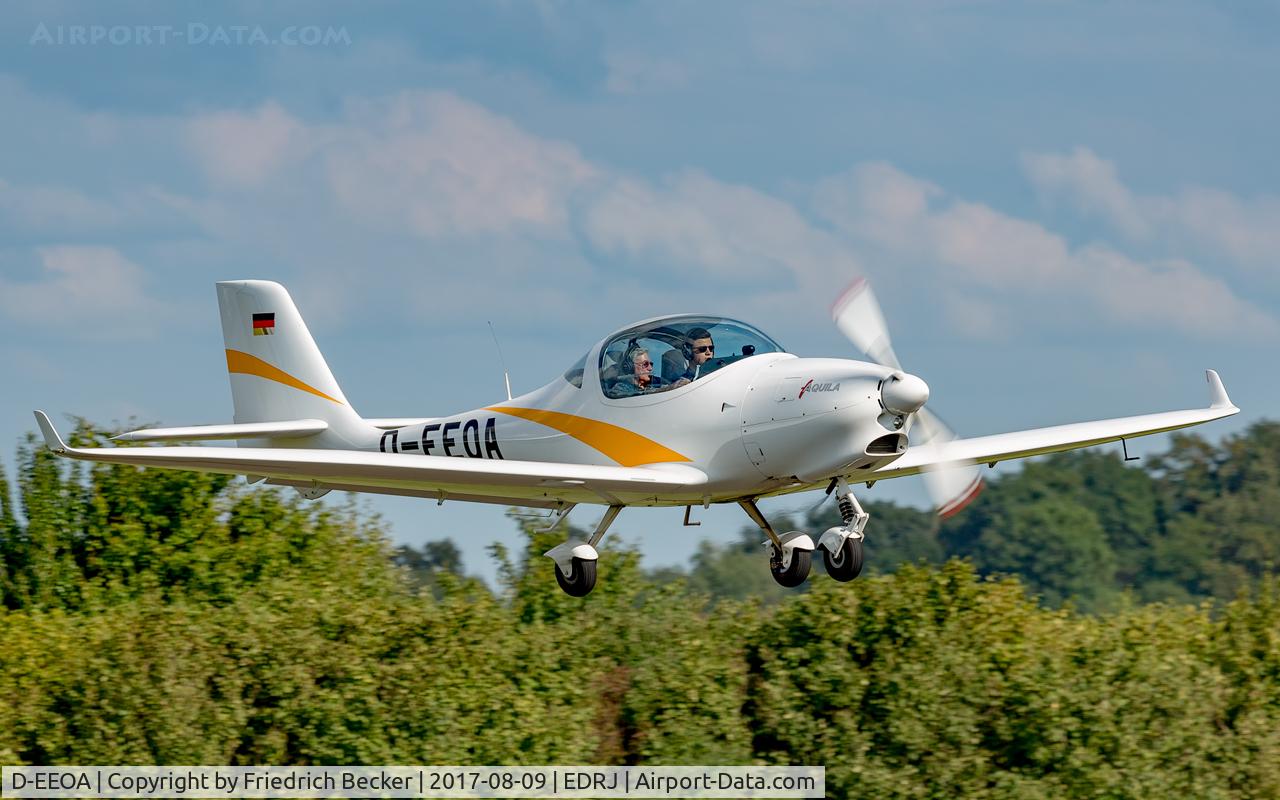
x=1217, y=392
x=51, y=438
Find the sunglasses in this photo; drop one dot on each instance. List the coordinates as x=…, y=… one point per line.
x=706, y=348
x=644, y=363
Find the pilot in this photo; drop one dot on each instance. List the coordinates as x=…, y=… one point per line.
x=640, y=379
x=684, y=366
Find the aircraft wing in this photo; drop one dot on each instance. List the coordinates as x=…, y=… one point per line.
x=1022, y=444
x=482, y=480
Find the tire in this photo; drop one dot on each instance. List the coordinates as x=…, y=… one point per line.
x=846, y=564
x=795, y=574
x=583, y=579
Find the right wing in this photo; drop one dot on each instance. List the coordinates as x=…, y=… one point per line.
x=531, y=483
x=959, y=453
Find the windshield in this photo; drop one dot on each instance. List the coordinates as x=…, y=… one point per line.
x=674, y=352
x=574, y=374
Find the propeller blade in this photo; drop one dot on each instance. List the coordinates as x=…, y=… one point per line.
x=857, y=315
x=950, y=488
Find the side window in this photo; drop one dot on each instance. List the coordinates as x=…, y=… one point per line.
x=613, y=371
x=574, y=374
x=632, y=364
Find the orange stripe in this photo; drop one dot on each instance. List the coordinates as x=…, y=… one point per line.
x=246, y=364
x=626, y=447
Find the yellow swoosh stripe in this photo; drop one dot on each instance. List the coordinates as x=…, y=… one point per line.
x=246, y=364
x=628, y=448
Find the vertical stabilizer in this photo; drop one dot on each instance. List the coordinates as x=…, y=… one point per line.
x=277, y=372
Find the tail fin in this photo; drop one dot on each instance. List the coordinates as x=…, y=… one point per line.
x=277, y=372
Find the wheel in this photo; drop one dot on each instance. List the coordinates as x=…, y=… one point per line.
x=846, y=563
x=581, y=581
x=795, y=574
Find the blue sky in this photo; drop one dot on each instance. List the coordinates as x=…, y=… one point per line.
x=1068, y=210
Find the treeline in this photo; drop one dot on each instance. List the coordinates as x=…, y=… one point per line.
x=168, y=617
x=1196, y=522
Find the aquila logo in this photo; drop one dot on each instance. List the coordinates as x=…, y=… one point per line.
x=817, y=387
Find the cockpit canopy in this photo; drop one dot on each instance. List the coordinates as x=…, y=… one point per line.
x=672, y=352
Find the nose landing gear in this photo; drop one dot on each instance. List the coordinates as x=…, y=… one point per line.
x=842, y=545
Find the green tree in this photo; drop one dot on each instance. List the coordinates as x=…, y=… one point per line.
x=1220, y=506
x=41, y=555
x=291, y=635
x=1057, y=547
x=428, y=566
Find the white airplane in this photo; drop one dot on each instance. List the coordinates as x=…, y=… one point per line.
x=673, y=411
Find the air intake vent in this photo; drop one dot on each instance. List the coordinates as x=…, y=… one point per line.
x=891, y=444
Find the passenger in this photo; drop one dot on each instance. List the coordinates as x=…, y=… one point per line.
x=640, y=380
x=684, y=366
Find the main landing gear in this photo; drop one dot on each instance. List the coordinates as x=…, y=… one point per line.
x=576, y=561
x=791, y=554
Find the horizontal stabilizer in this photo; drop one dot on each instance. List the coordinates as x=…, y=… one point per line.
x=288, y=429
x=392, y=423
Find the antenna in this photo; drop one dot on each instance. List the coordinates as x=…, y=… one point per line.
x=505, y=376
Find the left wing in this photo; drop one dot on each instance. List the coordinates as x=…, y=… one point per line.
x=1021, y=444
x=533, y=483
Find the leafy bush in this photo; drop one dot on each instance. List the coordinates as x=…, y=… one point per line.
x=165, y=617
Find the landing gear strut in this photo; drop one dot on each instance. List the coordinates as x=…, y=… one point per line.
x=789, y=554
x=576, y=561
x=842, y=545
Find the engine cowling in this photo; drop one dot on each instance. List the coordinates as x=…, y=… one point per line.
x=812, y=418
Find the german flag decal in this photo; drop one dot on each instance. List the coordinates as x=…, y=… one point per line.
x=264, y=324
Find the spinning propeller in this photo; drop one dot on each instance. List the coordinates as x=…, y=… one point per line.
x=857, y=315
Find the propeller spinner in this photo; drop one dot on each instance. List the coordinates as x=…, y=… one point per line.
x=858, y=316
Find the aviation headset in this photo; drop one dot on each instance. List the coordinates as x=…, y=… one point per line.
x=629, y=355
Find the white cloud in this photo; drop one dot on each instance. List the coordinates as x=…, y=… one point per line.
x=447, y=166
x=432, y=166
x=1168, y=293
x=86, y=291
x=437, y=186
x=969, y=244
x=1247, y=231
x=241, y=149
x=65, y=210
x=878, y=207
x=1091, y=183
x=975, y=318
x=52, y=207
x=729, y=231
x=427, y=162
x=1214, y=222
